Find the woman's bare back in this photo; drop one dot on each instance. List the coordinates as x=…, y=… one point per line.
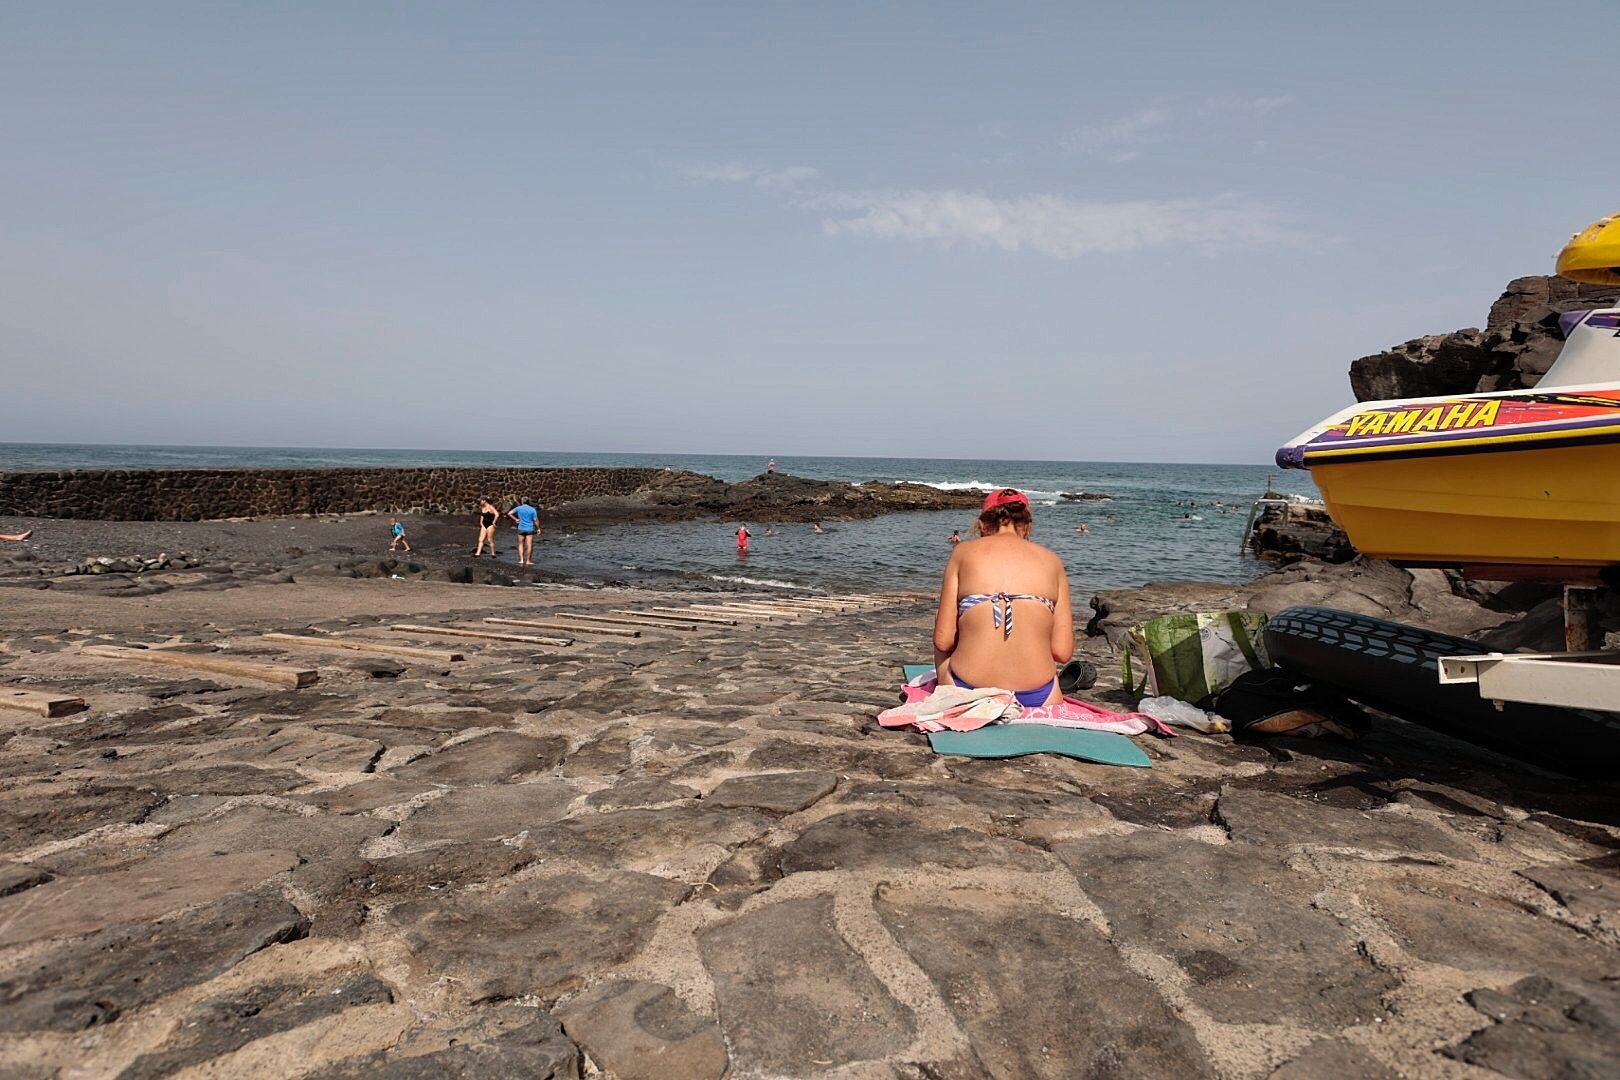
x=979, y=651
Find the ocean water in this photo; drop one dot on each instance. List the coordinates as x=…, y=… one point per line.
x=1161, y=521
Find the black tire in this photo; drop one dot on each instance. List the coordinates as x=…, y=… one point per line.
x=1395, y=668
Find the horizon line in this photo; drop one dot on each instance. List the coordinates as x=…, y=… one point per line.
x=628, y=453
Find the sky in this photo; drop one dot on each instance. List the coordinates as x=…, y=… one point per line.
x=1064, y=231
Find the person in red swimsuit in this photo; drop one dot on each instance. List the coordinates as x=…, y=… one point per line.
x=742, y=539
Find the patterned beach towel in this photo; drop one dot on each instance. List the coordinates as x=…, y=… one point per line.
x=931, y=707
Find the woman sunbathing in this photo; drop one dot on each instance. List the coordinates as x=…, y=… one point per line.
x=1004, y=617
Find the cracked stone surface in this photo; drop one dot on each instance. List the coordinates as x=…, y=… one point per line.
x=542, y=936
x=777, y=793
x=1541, y=1029
x=794, y=994
x=1014, y=976
x=1241, y=926
x=666, y=858
x=642, y=1031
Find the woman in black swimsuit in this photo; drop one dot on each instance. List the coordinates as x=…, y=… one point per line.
x=487, y=517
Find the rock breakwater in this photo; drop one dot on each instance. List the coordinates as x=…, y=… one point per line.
x=581, y=493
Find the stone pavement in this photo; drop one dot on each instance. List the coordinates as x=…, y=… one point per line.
x=698, y=855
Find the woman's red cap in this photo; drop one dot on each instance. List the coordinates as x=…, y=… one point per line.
x=1004, y=497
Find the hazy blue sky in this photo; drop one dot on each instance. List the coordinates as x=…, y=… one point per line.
x=994, y=230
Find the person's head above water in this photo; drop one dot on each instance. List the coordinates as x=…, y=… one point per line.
x=1004, y=507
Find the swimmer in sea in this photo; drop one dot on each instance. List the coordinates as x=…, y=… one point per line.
x=956, y=537
x=815, y=526
x=1083, y=528
x=770, y=531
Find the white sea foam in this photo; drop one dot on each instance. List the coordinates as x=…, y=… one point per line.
x=1045, y=498
x=952, y=485
x=769, y=583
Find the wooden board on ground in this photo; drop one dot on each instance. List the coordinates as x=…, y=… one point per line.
x=817, y=605
x=768, y=614
x=580, y=619
x=610, y=631
x=685, y=615
x=47, y=703
x=486, y=635
x=275, y=674
x=384, y=648
x=760, y=605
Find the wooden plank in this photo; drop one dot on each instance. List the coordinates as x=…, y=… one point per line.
x=487, y=635
x=758, y=605
x=612, y=631
x=384, y=648
x=767, y=614
x=47, y=703
x=614, y=620
x=275, y=674
x=684, y=615
x=823, y=606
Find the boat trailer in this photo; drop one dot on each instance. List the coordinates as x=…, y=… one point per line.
x=1585, y=677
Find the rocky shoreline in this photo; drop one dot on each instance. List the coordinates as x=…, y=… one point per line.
x=1520, y=341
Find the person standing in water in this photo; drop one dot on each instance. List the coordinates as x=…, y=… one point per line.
x=488, y=516
x=527, y=519
x=742, y=538
x=956, y=537
x=815, y=526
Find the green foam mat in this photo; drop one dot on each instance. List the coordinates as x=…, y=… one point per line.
x=1016, y=740
x=911, y=671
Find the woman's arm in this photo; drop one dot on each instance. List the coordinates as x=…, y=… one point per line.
x=945, y=617
x=1062, y=620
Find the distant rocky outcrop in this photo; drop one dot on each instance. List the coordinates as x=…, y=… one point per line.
x=1519, y=343
x=1286, y=533
x=768, y=497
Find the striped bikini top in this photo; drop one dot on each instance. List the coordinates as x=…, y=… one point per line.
x=1001, y=608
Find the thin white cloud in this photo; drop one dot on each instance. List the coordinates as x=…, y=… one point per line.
x=737, y=172
x=1053, y=225
x=1117, y=137
x=1252, y=106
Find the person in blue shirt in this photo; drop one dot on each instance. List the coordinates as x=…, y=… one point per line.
x=527, y=519
x=396, y=529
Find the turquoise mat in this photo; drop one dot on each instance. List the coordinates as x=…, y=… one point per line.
x=1016, y=740
x=914, y=670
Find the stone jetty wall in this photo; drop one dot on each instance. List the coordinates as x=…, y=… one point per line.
x=205, y=494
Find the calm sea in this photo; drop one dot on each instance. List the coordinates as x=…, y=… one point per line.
x=1161, y=522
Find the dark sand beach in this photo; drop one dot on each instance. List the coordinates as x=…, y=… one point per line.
x=690, y=852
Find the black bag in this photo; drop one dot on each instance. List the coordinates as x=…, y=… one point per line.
x=1257, y=696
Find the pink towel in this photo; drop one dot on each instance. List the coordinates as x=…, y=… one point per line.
x=966, y=715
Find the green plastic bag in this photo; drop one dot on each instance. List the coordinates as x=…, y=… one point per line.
x=1194, y=656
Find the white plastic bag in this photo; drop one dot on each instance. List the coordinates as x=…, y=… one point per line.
x=1178, y=713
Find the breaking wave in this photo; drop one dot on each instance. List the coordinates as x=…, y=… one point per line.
x=769, y=583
